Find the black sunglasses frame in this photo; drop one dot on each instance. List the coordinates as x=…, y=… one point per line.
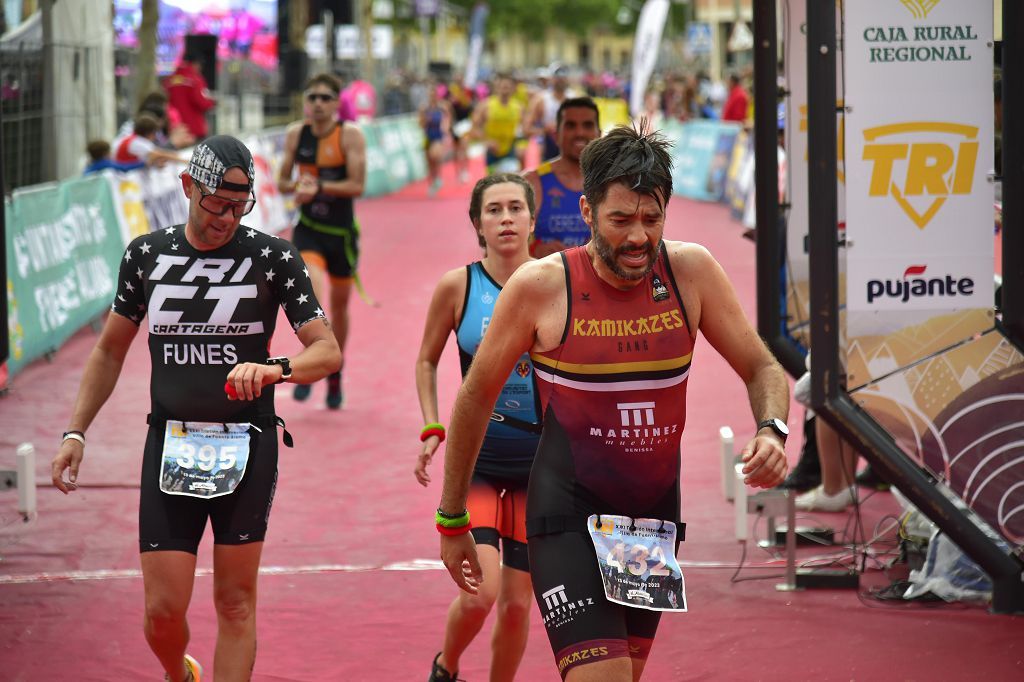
x=230, y=204
x=322, y=96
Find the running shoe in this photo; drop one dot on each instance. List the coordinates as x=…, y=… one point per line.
x=439, y=674
x=195, y=671
x=335, y=397
x=818, y=500
x=302, y=391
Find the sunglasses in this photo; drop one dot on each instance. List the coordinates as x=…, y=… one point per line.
x=321, y=97
x=219, y=205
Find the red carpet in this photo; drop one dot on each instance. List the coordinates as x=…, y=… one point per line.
x=349, y=514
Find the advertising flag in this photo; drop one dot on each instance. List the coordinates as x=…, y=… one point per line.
x=645, y=50
x=477, y=32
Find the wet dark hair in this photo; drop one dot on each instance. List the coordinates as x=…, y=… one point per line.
x=578, y=103
x=476, y=200
x=636, y=158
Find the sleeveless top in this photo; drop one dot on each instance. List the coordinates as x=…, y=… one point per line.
x=432, y=129
x=502, y=123
x=559, y=217
x=509, y=446
x=614, y=399
x=324, y=158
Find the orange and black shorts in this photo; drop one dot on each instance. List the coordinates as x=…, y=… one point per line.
x=497, y=510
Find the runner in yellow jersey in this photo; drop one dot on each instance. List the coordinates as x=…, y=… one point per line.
x=496, y=122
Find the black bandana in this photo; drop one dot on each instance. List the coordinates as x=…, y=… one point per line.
x=214, y=156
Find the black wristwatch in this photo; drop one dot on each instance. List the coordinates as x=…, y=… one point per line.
x=776, y=425
x=286, y=368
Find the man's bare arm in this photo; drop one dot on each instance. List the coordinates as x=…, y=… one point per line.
x=721, y=319
x=285, y=183
x=102, y=370
x=516, y=327
x=319, y=357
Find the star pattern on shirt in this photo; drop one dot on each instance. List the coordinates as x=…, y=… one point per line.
x=305, y=271
x=270, y=275
x=286, y=256
x=289, y=284
x=145, y=248
x=169, y=230
x=174, y=246
x=121, y=298
x=138, y=273
x=128, y=285
x=128, y=255
x=302, y=298
x=319, y=312
x=265, y=252
x=251, y=233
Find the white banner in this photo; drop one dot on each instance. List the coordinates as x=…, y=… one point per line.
x=645, y=50
x=919, y=149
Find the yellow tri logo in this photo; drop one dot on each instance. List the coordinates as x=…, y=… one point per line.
x=920, y=8
x=937, y=166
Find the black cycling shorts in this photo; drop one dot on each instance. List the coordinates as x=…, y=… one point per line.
x=582, y=625
x=497, y=509
x=339, y=253
x=177, y=522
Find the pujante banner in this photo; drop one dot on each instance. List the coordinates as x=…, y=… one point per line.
x=919, y=151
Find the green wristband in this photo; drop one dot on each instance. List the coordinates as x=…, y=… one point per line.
x=445, y=520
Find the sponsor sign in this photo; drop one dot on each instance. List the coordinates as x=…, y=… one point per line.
x=63, y=248
x=701, y=157
x=919, y=141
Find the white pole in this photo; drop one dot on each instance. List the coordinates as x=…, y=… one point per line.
x=740, y=503
x=26, y=479
x=728, y=459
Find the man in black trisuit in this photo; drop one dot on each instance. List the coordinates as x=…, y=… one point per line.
x=211, y=294
x=330, y=157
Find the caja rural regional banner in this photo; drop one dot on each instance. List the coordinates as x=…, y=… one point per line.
x=919, y=136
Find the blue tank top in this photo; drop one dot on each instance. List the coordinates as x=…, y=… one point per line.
x=433, y=120
x=559, y=217
x=514, y=430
